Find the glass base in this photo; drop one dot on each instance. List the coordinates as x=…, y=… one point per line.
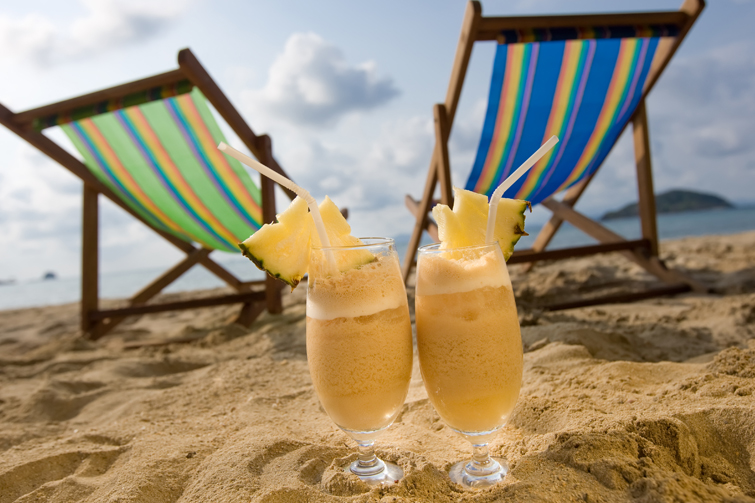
x=378, y=473
x=473, y=475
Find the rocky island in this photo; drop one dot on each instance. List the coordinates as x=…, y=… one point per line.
x=674, y=201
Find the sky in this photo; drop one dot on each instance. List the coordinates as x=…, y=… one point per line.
x=345, y=89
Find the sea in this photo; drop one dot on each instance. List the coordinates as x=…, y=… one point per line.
x=65, y=290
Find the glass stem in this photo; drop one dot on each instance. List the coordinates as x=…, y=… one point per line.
x=367, y=458
x=372, y=469
x=481, y=462
x=480, y=454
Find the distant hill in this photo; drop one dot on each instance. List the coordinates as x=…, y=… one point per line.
x=674, y=201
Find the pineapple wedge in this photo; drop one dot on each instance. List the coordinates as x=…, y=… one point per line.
x=282, y=249
x=466, y=224
x=275, y=248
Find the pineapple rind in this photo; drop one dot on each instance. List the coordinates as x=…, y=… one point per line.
x=509, y=226
x=292, y=281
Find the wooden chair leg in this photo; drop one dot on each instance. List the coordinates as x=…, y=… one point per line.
x=89, y=260
x=273, y=300
x=439, y=172
x=249, y=312
x=472, y=19
x=646, y=201
x=441, y=145
x=267, y=189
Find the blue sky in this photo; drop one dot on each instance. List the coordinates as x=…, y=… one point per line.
x=346, y=90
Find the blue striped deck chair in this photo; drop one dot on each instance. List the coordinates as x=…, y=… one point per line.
x=150, y=147
x=583, y=78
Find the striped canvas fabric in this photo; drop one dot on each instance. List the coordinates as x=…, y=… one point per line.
x=161, y=158
x=582, y=90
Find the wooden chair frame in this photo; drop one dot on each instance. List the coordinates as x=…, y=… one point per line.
x=644, y=252
x=97, y=322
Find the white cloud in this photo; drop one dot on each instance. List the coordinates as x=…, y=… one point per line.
x=40, y=224
x=368, y=176
x=31, y=37
x=40, y=207
x=704, y=113
x=311, y=83
x=106, y=24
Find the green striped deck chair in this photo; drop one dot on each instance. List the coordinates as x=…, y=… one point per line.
x=583, y=78
x=151, y=147
x=161, y=158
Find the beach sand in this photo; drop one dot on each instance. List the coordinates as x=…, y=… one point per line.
x=651, y=401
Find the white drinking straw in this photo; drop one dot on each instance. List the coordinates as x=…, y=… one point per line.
x=277, y=177
x=508, y=182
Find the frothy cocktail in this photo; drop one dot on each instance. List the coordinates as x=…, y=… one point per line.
x=359, y=342
x=359, y=339
x=468, y=338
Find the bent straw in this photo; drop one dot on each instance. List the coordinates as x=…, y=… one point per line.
x=277, y=177
x=508, y=182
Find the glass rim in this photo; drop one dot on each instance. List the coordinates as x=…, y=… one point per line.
x=435, y=247
x=374, y=241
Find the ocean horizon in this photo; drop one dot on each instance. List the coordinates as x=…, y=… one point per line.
x=124, y=284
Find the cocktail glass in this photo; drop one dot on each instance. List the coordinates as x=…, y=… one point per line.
x=470, y=349
x=359, y=344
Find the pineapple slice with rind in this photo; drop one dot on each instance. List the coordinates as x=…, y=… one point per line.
x=467, y=223
x=276, y=248
x=283, y=248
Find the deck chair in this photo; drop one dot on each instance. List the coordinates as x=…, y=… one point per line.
x=583, y=78
x=150, y=147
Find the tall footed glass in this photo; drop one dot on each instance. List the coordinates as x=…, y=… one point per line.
x=359, y=344
x=470, y=349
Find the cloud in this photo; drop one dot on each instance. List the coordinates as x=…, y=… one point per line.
x=702, y=116
x=311, y=83
x=105, y=25
x=722, y=140
x=39, y=199
x=40, y=220
x=369, y=175
x=40, y=224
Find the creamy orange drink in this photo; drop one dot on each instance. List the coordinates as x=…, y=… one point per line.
x=468, y=338
x=359, y=335
x=359, y=342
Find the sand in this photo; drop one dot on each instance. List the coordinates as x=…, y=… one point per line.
x=651, y=401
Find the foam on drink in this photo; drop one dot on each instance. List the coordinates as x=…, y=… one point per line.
x=372, y=288
x=451, y=272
